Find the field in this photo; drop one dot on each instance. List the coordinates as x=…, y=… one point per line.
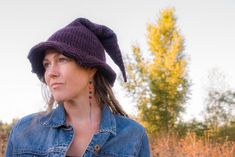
x=190, y=146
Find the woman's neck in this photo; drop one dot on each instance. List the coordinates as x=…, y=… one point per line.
x=82, y=112
x=85, y=119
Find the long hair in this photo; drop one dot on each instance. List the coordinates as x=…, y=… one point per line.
x=103, y=93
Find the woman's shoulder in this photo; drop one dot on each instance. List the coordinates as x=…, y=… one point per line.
x=128, y=124
x=129, y=139
x=27, y=128
x=29, y=121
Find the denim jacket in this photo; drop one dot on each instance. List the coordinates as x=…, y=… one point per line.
x=48, y=135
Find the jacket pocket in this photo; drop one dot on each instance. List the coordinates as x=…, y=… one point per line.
x=37, y=154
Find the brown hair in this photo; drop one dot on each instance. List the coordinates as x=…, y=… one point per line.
x=103, y=93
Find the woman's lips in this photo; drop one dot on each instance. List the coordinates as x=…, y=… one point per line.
x=56, y=85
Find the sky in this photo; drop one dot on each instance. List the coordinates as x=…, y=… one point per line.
x=207, y=27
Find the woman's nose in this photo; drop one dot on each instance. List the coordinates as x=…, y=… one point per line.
x=52, y=71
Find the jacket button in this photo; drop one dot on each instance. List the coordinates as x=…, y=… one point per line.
x=97, y=148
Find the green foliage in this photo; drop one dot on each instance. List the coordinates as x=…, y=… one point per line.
x=222, y=134
x=138, y=77
x=227, y=132
x=160, y=85
x=194, y=126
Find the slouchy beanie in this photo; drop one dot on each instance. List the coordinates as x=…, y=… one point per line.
x=84, y=41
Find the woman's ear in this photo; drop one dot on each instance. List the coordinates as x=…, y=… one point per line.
x=92, y=72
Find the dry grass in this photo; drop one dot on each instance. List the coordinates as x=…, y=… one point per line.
x=190, y=146
x=3, y=142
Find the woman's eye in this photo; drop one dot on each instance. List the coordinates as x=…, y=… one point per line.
x=46, y=65
x=63, y=59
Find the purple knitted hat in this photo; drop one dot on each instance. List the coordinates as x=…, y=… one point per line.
x=84, y=41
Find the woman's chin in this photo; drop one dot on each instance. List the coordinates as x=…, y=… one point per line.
x=59, y=99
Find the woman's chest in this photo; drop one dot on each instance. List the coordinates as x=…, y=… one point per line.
x=79, y=144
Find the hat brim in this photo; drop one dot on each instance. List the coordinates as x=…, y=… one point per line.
x=37, y=53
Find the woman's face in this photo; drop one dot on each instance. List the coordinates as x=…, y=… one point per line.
x=65, y=78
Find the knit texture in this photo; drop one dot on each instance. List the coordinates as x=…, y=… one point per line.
x=84, y=41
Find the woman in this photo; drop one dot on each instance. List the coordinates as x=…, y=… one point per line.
x=87, y=120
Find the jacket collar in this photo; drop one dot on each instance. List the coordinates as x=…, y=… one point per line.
x=56, y=119
x=108, y=122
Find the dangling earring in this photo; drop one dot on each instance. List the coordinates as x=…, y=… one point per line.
x=90, y=97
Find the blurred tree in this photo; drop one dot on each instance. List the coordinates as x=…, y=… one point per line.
x=193, y=126
x=220, y=101
x=5, y=128
x=159, y=85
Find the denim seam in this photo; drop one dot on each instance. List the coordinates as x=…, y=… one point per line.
x=140, y=144
x=108, y=130
x=46, y=123
x=58, y=148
